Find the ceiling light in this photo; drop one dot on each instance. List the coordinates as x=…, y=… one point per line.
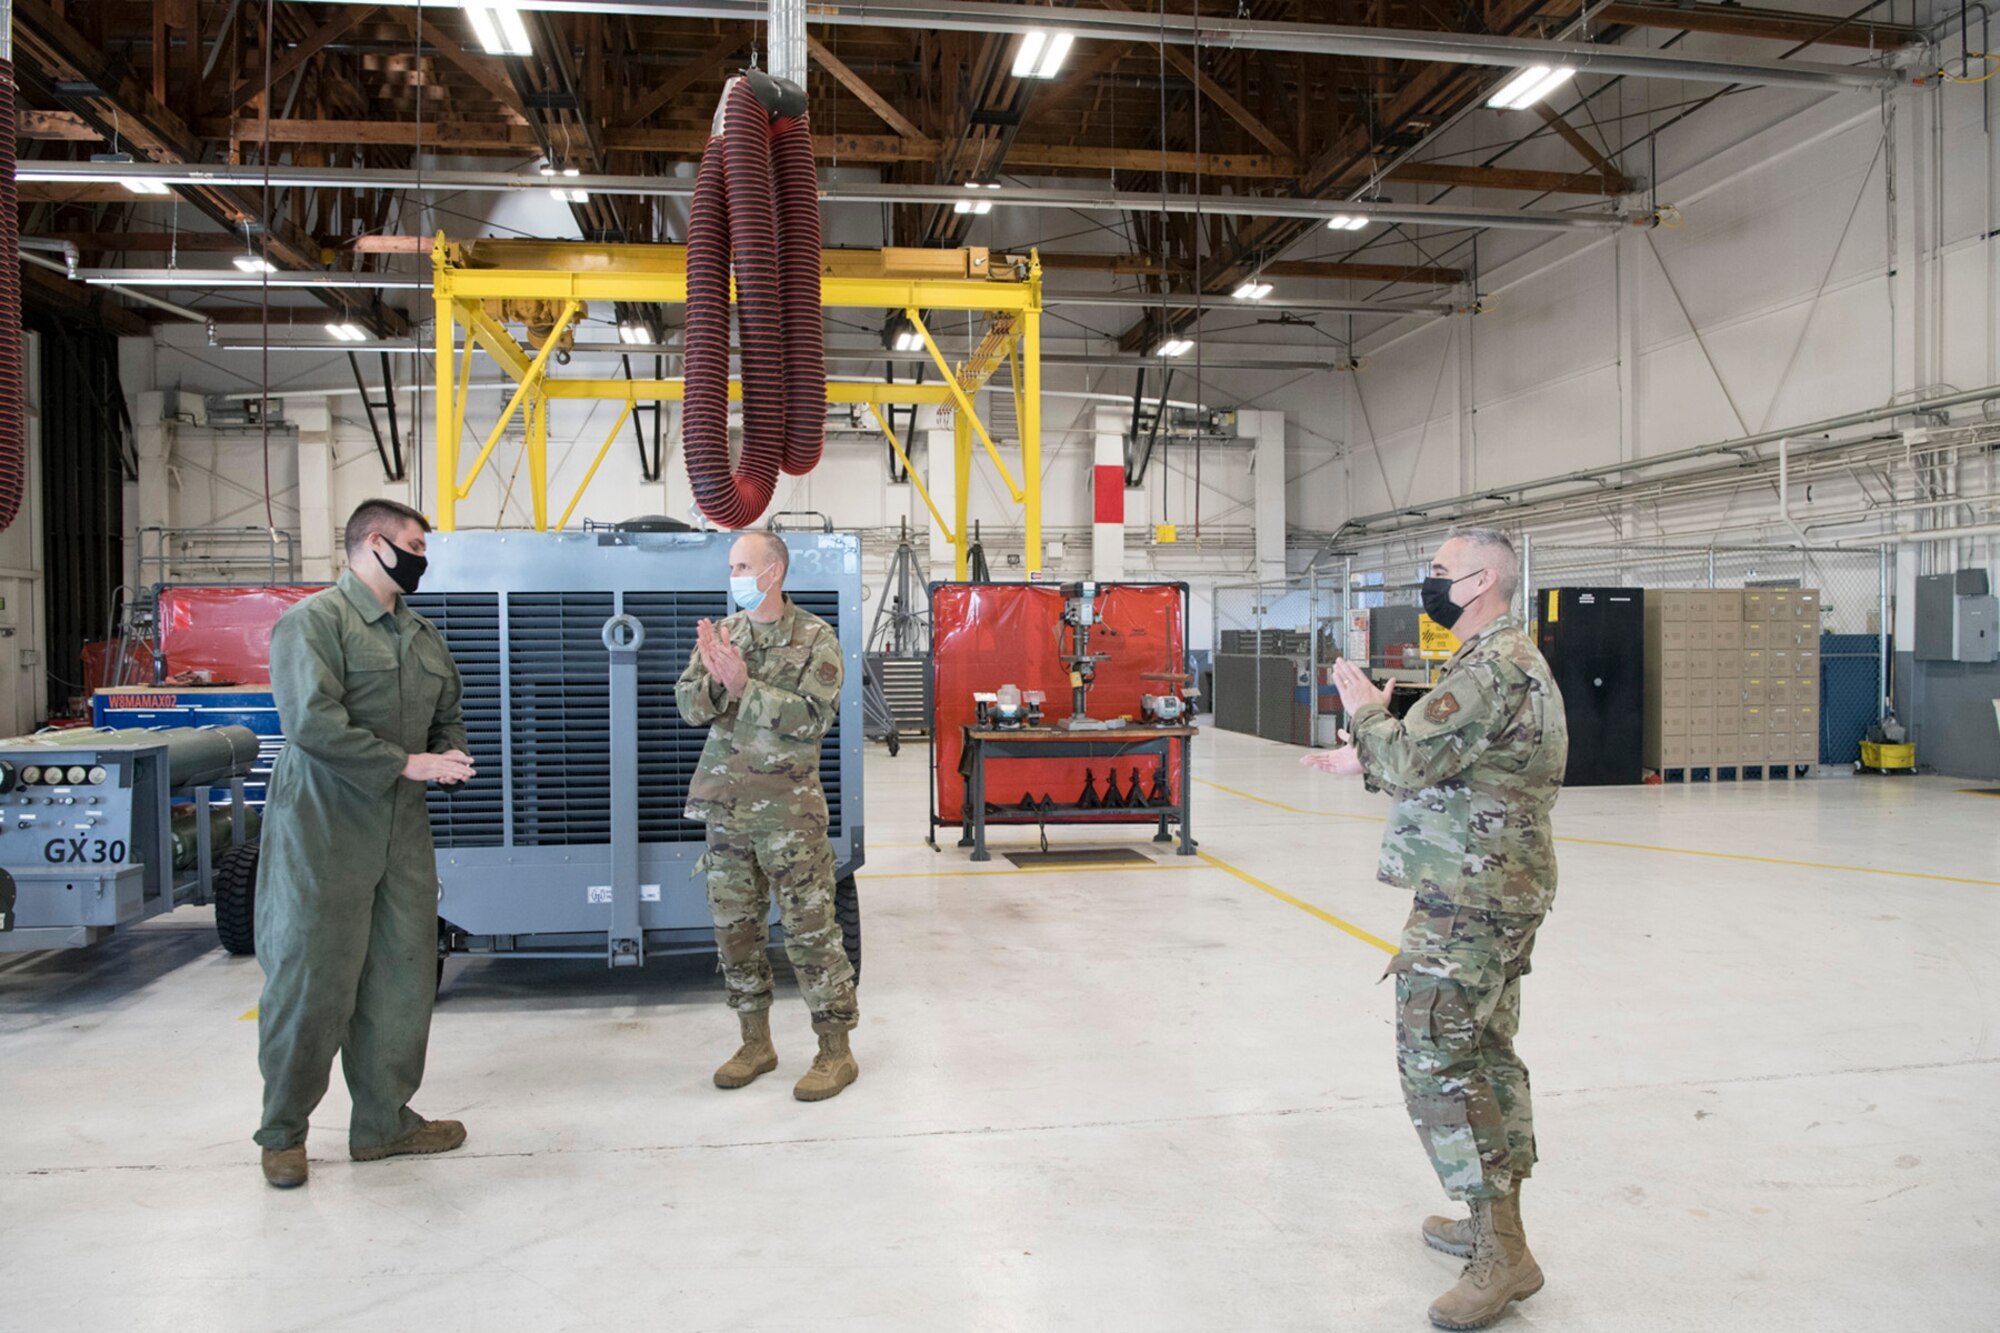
x=500, y=30
x=1347, y=222
x=1253, y=291
x=570, y=196
x=635, y=333
x=1530, y=86
x=348, y=333
x=1041, y=53
x=254, y=264
x=1174, y=347
x=136, y=184
x=977, y=207
x=909, y=340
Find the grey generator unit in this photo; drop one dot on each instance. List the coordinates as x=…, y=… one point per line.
x=88, y=833
x=572, y=841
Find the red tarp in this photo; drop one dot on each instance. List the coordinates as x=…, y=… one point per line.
x=102, y=667
x=224, y=632
x=985, y=635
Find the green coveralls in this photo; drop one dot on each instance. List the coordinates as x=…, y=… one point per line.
x=757, y=788
x=347, y=889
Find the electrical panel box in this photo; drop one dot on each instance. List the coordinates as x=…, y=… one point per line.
x=1955, y=615
x=1974, y=629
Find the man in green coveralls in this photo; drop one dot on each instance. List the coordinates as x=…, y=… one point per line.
x=766, y=682
x=1474, y=771
x=347, y=888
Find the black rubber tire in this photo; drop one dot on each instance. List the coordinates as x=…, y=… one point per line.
x=847, y=911
x=233, y=886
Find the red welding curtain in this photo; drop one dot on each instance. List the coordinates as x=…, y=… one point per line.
x=225, y=632
x=985, y=635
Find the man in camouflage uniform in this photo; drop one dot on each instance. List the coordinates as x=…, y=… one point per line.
x=766, y=681
x=1474, y=771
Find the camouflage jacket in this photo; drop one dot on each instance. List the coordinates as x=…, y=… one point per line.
x=760, y=768
x=1474, y=770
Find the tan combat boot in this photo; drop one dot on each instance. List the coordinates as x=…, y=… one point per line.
x=833, y=1069
x=285, y=1167
x=1453, y=1235
x=1501, y=1272
x=432, y=1136
x=755, y=1056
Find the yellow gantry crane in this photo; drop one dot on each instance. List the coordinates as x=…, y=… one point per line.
x=483, y=287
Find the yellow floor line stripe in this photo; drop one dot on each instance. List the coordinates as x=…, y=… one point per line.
x=1291, y=809
x=1300, y=903
x=249, y=1017
x=1782, y=861
x=1650, y=847
x=1049, y=870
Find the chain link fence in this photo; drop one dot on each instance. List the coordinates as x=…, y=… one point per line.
x=1271, y=652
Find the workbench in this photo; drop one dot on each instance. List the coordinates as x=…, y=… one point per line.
x=987, y=743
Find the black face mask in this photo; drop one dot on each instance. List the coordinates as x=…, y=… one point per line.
x=1437, y=601
x=408, y=571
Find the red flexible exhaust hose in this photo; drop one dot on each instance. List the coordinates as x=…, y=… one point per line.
x=756, y=214
x=13, y=361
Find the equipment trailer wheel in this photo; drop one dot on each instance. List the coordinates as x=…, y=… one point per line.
x=847, y=911
x=233, y=885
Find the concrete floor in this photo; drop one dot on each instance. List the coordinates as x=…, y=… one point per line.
x=1761, y=1025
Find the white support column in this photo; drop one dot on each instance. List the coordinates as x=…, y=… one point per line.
x=1627, y=258
x=1267, y=466
x=1467, y=402
x=1107, y=496
x=316, y=517
x=153, y=440
x=941, y=481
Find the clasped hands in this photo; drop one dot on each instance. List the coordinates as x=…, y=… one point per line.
x=1356, y=691
x=722, y=658
x=448, y=769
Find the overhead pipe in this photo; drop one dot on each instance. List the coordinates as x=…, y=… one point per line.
x=1221, y=32
x=1085, y=198
x=1360, y=526
x=133, y=294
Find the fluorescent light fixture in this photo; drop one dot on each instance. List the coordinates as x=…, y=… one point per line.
x=570, y=196
x=136, y=184
x=500, y=30
x=1530, y=86
x=1347, y=222
x=348, y=333
x=909, y=340
x=254, y=264
x=1041, y=53
x=1174, y=347
x=976, y=207
x=635, y=333
x=1253, y=291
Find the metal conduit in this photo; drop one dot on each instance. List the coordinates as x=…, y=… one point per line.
x=1264, y=35
x=1424, y=513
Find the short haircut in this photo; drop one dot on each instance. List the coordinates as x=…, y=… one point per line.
x=384, y=516
x=1497, y=549
x=774, y=549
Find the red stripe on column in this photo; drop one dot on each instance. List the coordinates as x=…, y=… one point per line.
x=1110, y=493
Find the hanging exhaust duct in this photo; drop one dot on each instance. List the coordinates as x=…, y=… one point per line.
x=13, y=361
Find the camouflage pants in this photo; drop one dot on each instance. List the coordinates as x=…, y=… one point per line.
x=1458, y=1006
x=743, y=871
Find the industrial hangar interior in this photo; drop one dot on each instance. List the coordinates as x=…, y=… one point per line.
x=1208, y=531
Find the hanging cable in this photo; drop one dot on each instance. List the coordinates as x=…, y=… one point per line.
x=264, y=283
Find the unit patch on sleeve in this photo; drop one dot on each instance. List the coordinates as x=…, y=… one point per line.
x=1441, y=707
